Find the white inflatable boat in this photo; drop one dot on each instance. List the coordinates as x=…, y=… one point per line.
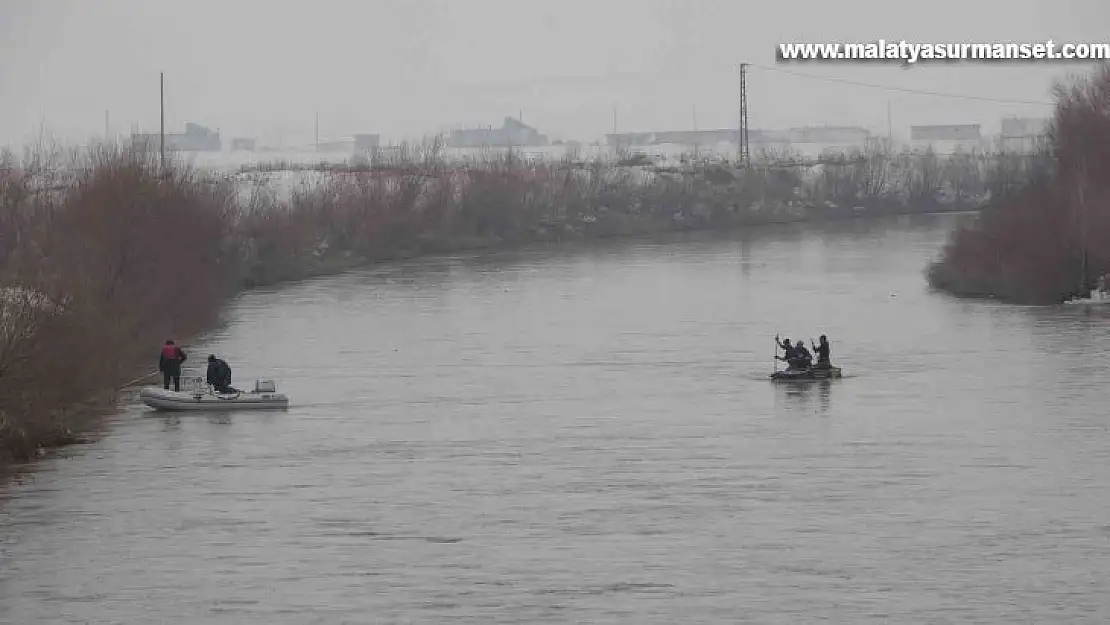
x=1097, y=297
x=202, y=397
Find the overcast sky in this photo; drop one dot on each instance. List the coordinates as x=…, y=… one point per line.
x=407, y=67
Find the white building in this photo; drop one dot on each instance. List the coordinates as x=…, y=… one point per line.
x=947, y=139
x=1023, y=134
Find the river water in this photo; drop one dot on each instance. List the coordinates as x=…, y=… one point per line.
x=562, y=435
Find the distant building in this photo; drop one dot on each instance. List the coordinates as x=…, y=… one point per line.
x=947, y=139
x=245, y=144
x=816, y=141
x=1023, y=134
x=336, y=145
x=196, y=138
x=810, y=140
x=629, y=139
x=511, y=133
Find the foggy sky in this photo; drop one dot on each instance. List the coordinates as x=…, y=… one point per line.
x=405, y=68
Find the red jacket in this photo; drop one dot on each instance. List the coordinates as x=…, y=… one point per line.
x=171, y=356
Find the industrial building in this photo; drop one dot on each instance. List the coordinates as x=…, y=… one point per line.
x=512, y=133
x=196, y=138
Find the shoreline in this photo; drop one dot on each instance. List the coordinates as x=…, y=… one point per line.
x=478, y=247
x=227, y=238
x=107, y=401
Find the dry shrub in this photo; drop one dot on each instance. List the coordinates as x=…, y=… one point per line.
x=126, y=258
x=1036, y=240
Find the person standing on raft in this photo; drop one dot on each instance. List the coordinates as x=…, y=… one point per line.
x=823, y=353
x=169, y=363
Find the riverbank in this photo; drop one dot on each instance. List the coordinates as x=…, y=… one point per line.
x=125, y=257
x=1043, y=242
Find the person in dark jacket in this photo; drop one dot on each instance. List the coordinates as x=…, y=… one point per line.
x=219, y=375
x=169, y=363
x=802, y=358
x=824, y=352
x=796, y=356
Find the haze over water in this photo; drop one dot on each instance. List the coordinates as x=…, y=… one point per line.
x=589, y=435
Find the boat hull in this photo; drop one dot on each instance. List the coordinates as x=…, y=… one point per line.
x=1094, y=298
x=807, y=374
x=161, y=399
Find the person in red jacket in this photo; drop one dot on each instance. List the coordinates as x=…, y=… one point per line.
x=169, y=363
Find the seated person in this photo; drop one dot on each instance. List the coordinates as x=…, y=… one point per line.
x=219, y=375
x=802, y=358
x=796, y=357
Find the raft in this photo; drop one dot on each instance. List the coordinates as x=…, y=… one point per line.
x=201, y=397
x=806, y=374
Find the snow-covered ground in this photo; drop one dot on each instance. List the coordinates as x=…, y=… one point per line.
x=663, y=154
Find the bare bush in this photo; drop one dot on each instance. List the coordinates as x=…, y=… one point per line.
x=121, y=259
x=1040, y=239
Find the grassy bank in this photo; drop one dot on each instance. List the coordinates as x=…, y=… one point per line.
x=1044, y=240
x=102, y=258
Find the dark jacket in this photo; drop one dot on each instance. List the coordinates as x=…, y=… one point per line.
x=171, y=363
x=801, y=353
x=219, y=373
x=790, y=350
x=822, y=350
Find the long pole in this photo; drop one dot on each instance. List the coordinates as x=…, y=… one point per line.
x=745, y=150
x=889, y=126
x=162, y=116
x=697, y=144
x=317, y=131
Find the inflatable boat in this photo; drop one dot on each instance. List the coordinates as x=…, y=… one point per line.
x=806, y=374
x=202, y=397
x=1097, y=297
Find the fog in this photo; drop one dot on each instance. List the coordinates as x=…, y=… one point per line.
x=572, y=68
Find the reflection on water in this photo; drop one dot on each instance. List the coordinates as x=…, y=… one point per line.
x=590, y=435
x=808, y=397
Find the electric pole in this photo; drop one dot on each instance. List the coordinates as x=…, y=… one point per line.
x=162, y=114
x=889, y=126
x=745, y=150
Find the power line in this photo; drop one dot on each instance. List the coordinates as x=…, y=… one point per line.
x=939, y=94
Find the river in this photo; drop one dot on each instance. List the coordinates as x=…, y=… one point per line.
x=589, y=435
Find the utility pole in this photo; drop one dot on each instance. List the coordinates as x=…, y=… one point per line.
x=697, y=144
x=107, y=127
x=162, y=123
x=317, y=131
x=889, y=126
x=614, y=123
x=745, y=150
